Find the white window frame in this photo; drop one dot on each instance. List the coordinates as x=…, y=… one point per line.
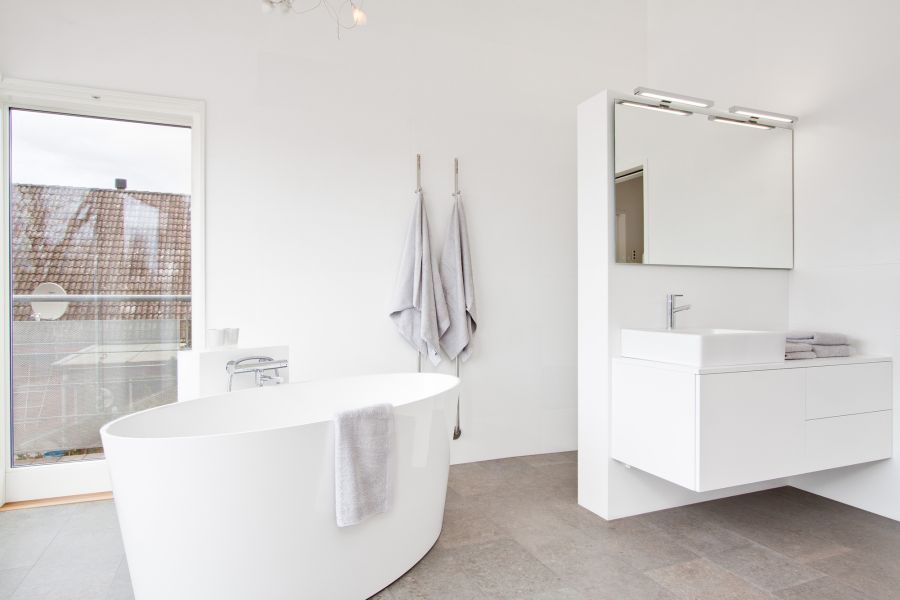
x=66, y=479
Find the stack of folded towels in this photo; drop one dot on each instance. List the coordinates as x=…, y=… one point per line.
x=810, y=344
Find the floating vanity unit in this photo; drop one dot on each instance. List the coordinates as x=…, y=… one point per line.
x=711, y=427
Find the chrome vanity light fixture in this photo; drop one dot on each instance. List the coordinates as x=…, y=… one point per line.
x=751, y=123
x=663, y=107
x=762, y=114
x=669, y=97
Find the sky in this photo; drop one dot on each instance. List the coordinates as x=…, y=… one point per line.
x=54, y=149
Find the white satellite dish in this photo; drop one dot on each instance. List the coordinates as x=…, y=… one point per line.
x=48, y=311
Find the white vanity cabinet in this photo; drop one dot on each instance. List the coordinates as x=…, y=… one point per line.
x=711, y=428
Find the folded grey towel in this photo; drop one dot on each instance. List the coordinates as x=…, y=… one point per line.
x=797, y=347
x=830, y=351
x=363, y=462
x=798, y=355
x=818, y=338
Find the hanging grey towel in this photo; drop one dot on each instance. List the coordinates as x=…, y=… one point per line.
x=459, y=286
x=419, y=309
x=363, y=463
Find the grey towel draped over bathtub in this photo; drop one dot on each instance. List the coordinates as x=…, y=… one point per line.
x=363, y=463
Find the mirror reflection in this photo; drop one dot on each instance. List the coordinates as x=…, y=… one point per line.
x=690, y=191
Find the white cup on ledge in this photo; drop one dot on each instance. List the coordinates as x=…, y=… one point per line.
x=215, y=338
x=231, y=336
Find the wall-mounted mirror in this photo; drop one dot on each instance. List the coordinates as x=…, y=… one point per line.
x=690, y=191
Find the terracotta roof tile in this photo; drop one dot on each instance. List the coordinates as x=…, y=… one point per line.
x=97, y=241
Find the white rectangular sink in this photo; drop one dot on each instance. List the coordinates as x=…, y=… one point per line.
x=704, y=347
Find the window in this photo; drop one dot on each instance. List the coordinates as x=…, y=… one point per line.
x=102, y=239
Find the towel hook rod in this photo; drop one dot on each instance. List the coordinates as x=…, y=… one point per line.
x=418, y=172
x=457, y=430
x=418, y=190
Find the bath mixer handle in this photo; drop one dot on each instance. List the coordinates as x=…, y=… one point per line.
x=263, y=379
x=260, y=364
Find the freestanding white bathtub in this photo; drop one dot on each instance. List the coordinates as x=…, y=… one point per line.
x=232, y=497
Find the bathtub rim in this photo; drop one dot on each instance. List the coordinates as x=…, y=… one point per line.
x=451, y=383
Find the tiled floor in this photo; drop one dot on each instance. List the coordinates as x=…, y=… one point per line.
x=512, y=529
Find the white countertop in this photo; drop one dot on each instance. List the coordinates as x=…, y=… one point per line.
x=787, y=364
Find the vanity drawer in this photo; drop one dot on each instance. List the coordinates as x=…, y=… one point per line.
x=848, y=389
x=849, y=440
x=749, y=427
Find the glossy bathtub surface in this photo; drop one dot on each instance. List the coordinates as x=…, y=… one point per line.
x=278, y=406
x=232, y=497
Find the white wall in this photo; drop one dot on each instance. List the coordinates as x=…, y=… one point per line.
x=834, y=64
x=311, y=144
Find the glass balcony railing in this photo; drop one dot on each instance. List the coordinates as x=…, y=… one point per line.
x=70, y=377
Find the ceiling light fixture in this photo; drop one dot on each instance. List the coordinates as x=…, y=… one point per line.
x=358, y=16
x=751, y=123
x=762, y=114
x=670, y=97
x=660, y=108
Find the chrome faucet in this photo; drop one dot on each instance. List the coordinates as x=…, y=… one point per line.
x=671, y=309
x=259, y=366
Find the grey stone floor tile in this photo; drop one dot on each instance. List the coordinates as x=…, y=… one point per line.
x=641, y=546
x=10, y=580
x=120, y=588
x=558, y=481
x=702, y=580
x=824, y=588
x=468, y=525
x=556, y=594
x=838, y=523
x=784, y=536
x=454, y=500
x=694, y=531
x=504, y=569
x=764, y=568
x=540, y=460
x=440, y=574
x=876, y=575
x=596, y=573
x=501, y=479
x=91, y=516
x=509, y=468
x=77, y=564
x=513, y=530
x=26, y=533
x=571, y=513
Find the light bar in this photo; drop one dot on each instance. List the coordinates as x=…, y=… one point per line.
x=762, y=114
x=752, y=124
x=666, y=109
x=669, y=97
